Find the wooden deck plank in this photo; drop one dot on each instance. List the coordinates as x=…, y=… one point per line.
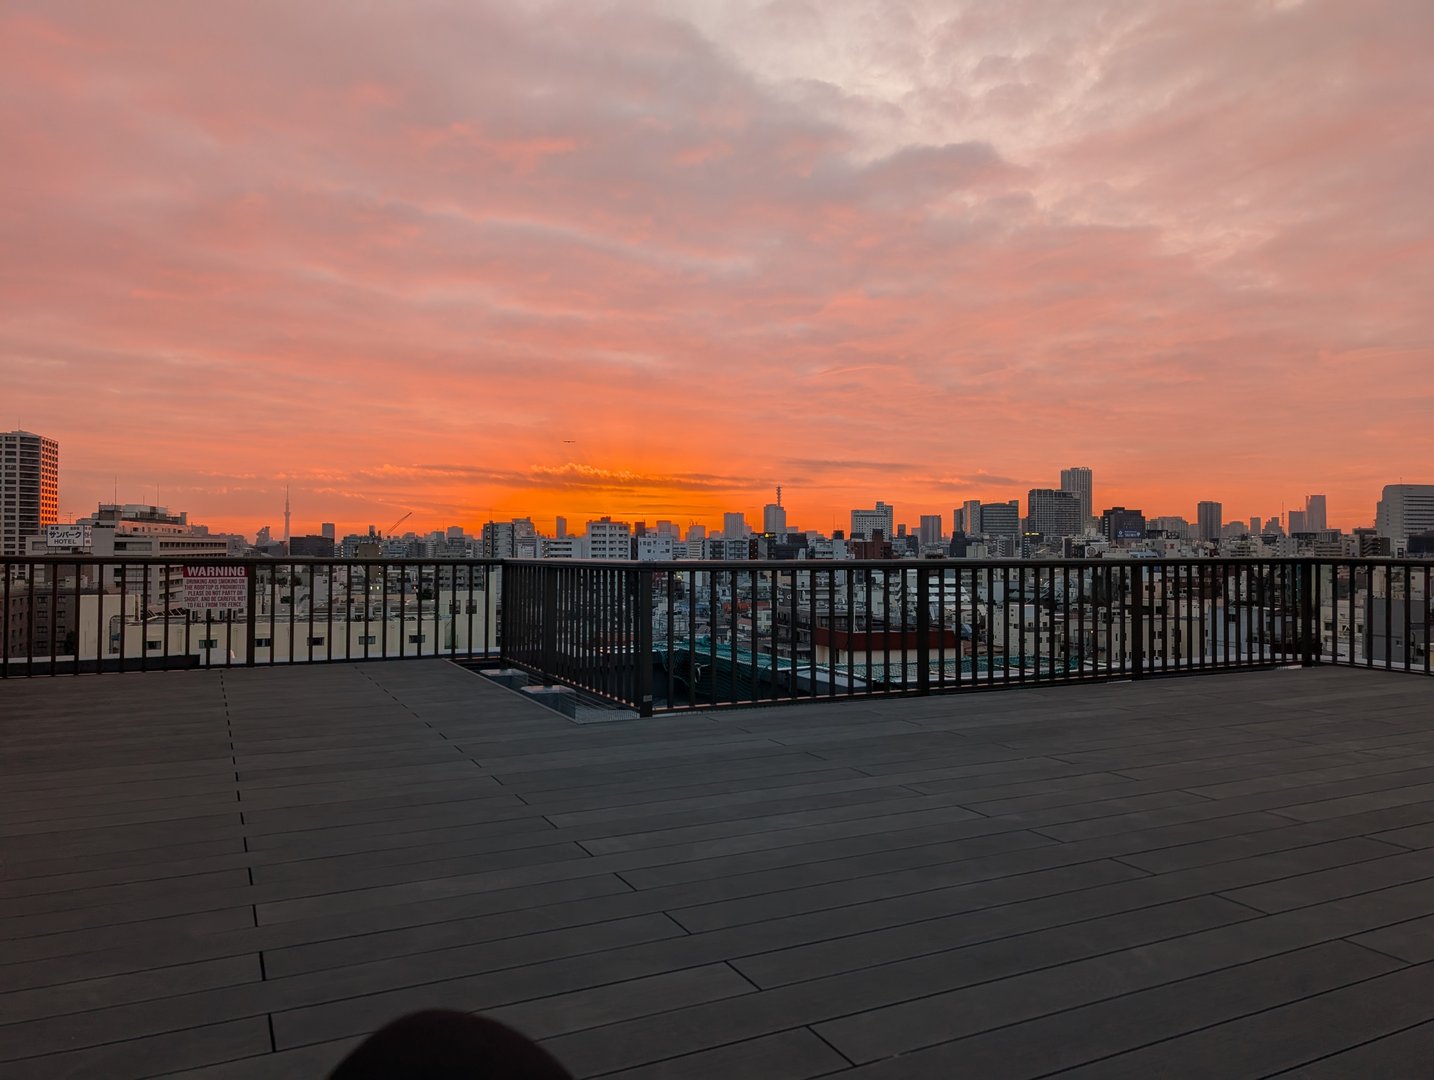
x=240, y=873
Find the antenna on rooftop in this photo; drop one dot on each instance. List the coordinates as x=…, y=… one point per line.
x=779, y=494
x=286, y=513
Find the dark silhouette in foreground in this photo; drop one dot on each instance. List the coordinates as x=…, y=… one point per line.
x=438, y=1044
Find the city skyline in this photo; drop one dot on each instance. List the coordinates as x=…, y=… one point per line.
x=483, y=261
x=1084, y=480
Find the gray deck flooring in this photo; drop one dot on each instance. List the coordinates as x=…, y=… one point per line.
x=240, y=874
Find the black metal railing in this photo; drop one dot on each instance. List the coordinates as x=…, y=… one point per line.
x=582, y=624
x=665, y=636
x=72, y=614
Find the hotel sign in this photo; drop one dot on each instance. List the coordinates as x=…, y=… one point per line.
x=68, y=536
x=216, y=585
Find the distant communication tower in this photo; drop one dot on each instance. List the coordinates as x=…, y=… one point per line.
x=779, y=494
x=286, y=513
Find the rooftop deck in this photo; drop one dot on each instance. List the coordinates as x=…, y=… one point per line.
x=241, y=873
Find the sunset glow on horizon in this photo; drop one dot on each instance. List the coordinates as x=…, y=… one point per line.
x=477, y=261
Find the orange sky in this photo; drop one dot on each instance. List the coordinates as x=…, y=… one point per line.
x=654, y=259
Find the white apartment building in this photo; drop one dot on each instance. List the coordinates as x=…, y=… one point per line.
x=451, y=622
x=608, y=539
x=498, y=540
x=146, y=534
x=865, y=522
x=1404, y=509
x=656, y=548
x=562, y=547
x=731, y=550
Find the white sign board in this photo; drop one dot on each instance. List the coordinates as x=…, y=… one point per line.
x=68, y=536
x=216, y=586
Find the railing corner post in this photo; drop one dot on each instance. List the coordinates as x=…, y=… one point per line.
x=251, y=602
x=923, y=630
x=505, y=614
x=549, y=618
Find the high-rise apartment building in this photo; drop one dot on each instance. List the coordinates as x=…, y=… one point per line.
x=1079, y=482
x=1298, y=522
x=1316, y=519
x=971, y=517
x=734, y=526
x=774, y=519
x=1054, y=514
x=29, y=488
x=328, y=531
x=1404, y=509
x=928, y=533
x=866, y=522
x=1210, y=520
x=1002, y=520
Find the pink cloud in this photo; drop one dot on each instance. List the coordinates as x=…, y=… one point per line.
x=1188, y=244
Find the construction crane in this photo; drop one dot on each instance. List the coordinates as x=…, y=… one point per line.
x=399, y=522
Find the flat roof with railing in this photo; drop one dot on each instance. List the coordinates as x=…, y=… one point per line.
x=239, y=872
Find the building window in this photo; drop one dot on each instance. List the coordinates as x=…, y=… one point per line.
x=152, y=646
x=368, y=639
x=417, y=639
x=209, y=643
x=316, y=641
x=263, y=642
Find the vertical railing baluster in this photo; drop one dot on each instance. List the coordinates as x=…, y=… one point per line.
x=6, y=572
x=123, y=601
x=923, y=630
x=1408, y=617
x=31, y=569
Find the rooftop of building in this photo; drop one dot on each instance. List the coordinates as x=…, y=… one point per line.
x=240, y=873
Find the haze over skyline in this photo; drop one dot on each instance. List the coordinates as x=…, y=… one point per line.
x=397, y=256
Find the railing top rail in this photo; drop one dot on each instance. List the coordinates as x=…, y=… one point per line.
x=709, y=564
x=962, y=564
x=241, y=560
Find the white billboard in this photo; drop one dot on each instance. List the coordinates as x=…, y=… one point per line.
x=68, y=536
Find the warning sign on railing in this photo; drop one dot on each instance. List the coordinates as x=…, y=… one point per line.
x=215, y=586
